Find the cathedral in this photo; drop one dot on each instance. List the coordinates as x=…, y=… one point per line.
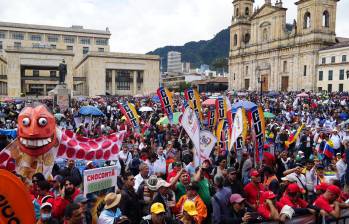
x=267, y=54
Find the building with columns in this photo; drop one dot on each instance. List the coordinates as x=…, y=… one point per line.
x=30, y=55
x=269, y=54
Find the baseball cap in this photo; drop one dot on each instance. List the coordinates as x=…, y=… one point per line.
x=267, y=195
x=80, y=199
x=157, y=208
x=254, y=173
x=293, y=188
x=289, y=178
x=190, y=208
x=236, y=198
x=322, y=187
x=46, y=204
x=162, y=183
x=334, y=189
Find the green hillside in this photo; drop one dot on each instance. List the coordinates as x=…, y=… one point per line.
x=209, y=52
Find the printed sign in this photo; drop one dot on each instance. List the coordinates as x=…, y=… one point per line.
x=99, y=179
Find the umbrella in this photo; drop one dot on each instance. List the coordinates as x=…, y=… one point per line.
x=155, y=99
x=344, y=116
x=272, y=94
x=59, y=116
x=165, y=120
x=209, y=102
x=90, y=111
x=269, y=115
x=303, y=95
x=245, y=104
x=145, y=109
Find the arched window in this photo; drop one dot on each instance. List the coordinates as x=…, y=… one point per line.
x=307, y=20
x=265, y=34
x=235, y=39
x=247, y=11
x=326, y=19
x=237, y=12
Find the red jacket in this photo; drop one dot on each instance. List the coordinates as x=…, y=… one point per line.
x=60, y=203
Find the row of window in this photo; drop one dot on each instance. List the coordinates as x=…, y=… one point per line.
x=123, y=80
x=330, y=75
x=329, y=88
x=325, y=20
x=54, y=38
x=333, y=59
x=85, y=50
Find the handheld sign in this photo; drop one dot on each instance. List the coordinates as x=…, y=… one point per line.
x=15, y=204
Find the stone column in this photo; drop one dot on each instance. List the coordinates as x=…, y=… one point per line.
x=13, y=75
x=134, y=82
x=113, y=83
x=45, y=90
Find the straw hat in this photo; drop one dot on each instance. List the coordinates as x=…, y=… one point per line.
x=111, y=200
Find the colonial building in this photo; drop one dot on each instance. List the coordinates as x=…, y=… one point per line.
x=30, y=55
x=333, y=68
x=268, y=53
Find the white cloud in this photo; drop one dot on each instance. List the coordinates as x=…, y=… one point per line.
x=141, y=25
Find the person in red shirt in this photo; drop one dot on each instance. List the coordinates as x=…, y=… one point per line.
x=267, y=207
x=253, y=190
x=291, y=200
x=327, y=202
x=69, y=193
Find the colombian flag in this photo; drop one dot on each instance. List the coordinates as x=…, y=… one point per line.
x=329, y=150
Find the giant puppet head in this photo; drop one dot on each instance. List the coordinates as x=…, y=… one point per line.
x=36, y=130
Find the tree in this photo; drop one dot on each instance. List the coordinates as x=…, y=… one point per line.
x=220, y=64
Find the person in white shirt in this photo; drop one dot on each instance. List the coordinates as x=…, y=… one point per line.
x=125, y=155
x=160, y=163
x=296, y=173
x=341, y=166
x=336, y=139
x=142, y=175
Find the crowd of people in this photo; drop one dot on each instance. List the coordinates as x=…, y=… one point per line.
x=159, y=183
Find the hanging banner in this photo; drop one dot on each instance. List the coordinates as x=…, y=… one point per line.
x=129, y=111
x=221, y=109
x=191, y=125
x=258, y=133
x=193, y=98
x=211, y=117
x=15, y=201
x=166, y=100
x=238, y=127
x=207, y=142
x=229, y=116
x=222, y=135
x=99, y=179
x=261, y=116
x=184, y=106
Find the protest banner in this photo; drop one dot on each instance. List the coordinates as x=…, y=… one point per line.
x=99, y=179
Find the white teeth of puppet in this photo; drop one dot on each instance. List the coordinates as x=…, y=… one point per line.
x=40, y=143
x=49, y=140
x=45, y=142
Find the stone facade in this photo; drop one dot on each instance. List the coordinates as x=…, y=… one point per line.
x=333, y=68
x=268, y=54
x=30, y=55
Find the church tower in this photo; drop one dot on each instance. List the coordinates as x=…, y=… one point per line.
x=317, y=19
x=240, y=31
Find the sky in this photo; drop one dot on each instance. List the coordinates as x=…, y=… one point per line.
x=140, y=26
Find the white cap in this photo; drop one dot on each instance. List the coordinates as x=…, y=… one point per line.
x=46, y=204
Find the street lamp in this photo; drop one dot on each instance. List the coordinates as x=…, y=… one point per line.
x=261, y=81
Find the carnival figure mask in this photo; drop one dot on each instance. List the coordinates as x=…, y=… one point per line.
x=36, y=130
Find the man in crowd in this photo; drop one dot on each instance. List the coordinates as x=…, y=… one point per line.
x=142, y=175
x=72, y=171
x=253, y=190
